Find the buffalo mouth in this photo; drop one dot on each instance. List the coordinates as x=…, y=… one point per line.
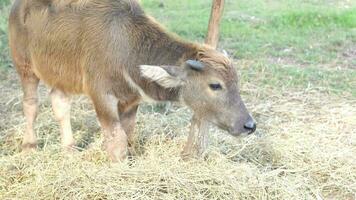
x=236, y=133
x=229, y=129
x=232, y=131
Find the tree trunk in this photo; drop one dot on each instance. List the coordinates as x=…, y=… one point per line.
x=212, y=38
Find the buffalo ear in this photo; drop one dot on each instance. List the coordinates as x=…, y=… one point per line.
x=165, y=76
x=195, y=65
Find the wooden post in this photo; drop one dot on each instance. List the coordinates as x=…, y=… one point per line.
x=212, y=38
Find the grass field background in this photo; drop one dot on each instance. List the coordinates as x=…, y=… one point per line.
x=297, y=63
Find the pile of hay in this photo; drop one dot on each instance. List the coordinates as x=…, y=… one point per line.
x=304, y=149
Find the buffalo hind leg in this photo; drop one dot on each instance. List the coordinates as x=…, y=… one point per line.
x=30, y=108
x=29, y=83
x=115, y=138
x=61, y=107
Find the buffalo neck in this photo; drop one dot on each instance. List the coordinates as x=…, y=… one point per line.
x=158, y=47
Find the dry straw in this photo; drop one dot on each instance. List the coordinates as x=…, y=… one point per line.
x=304, y=149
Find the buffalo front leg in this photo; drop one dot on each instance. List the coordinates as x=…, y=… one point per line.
x=128, y=122
x=30, y=107
x=115, y=138
x=61, y=107
x=197, y=140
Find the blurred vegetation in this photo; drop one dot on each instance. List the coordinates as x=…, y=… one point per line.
x=4, y=49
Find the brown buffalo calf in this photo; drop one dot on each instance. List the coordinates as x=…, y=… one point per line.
x=113, y=52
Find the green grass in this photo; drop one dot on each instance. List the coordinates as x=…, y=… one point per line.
x=311, y=19
x=340, y=82
x=4, y=49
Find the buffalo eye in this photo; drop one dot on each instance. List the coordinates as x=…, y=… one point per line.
x=215, y=86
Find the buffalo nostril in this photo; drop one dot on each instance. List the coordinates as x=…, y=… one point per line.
x=251, y=126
